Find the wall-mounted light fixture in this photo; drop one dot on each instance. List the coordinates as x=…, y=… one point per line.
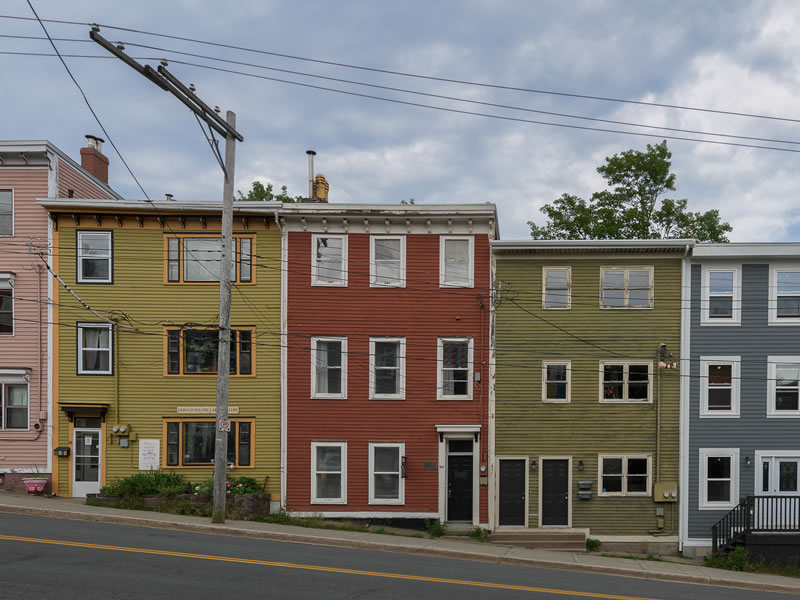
x=580, y=465
x=533, y=465
x=747, y=461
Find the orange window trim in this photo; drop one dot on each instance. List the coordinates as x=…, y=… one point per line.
x=237, y=237
x=237, y=347
x=181, y=420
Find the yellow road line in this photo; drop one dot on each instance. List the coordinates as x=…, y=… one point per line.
x=268, y=563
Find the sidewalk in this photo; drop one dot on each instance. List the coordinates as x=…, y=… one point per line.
x=67, y=508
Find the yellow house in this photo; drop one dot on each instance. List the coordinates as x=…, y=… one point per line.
x=135, y=317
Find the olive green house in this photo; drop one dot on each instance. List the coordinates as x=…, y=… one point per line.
x=585, y=414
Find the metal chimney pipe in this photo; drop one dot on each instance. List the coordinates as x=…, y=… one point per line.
x=311, y=155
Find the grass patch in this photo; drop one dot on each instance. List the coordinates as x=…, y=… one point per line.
x=282, y=517
x=435, y=528
x=739, y=560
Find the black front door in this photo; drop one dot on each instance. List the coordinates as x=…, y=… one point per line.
x=555, y=492
x=459, y=487
x=512, y=492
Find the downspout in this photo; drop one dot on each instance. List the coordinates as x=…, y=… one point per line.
x=658, y=414
x=284, y=418
x=116, y=376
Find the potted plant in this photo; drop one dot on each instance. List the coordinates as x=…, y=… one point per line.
x=36, y=484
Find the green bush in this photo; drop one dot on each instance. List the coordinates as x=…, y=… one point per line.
x=592, y=544
x=148, y=482
x=234, y=485
x=435, y=528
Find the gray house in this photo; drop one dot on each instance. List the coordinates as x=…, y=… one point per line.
x=740, y=429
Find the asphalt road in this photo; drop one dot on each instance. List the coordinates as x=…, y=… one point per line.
x=46, y=558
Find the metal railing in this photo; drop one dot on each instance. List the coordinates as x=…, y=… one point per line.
x=767, y=514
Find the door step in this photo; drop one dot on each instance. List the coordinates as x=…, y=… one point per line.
x=570, y=540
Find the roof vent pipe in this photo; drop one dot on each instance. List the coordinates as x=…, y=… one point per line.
x=311, y=155
x=169, y=197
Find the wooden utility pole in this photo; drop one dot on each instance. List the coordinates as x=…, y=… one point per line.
x=227, y=128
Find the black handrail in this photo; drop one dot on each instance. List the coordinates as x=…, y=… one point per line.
x=757, y=514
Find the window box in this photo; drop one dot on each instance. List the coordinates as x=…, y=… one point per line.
x=719, y=478
x=455, y=369
x=387, y=368
x=784, y=295
x=386, y=481
x=556, y=288
x=721, y=295
x=191, y=442
x=626, y=287
x=329, y=472
x=783, y=386
x=457, y=261
x=95, y=264
x=329, y=260
x=194, y=351
x=196, y=258
x=625, y=475
x=556, y=381
x=328, y=367
x=95, y=349
x=719, y=386
x=626, y=381
x=387, y=261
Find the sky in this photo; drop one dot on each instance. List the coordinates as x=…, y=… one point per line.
x=726, y=55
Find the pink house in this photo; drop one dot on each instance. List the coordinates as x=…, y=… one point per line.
x=31, y=170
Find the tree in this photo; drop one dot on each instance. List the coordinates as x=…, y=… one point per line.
x=264, y=193
x=631, y=207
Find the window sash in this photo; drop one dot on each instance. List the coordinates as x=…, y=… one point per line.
x=388, y=261
x=621, y=287
x=387, y=367
x=14, y=406
x=202, y=257
x=556, y=381
x=556, y=289
x=329, y=367
x=784, y=386
x=95, y=349
x=625, y=475
x=626, y=382
x=191, y=443
x=329, y=260
x=193, y=352
x=94, y=256
x=456, y=256
x=329, y=472
x=455, y=369
x=6, y=212
x=6, y=312
x=385, y=465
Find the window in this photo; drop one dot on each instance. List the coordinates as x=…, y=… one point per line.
x=556, y=381
x=95, y=349
x=625, y=382
x=719, y=478
x=192, y=443
x=719, y=386
x=195, y=351
x=386, y=478
x=784, y=295
x=94, y=257
x=387, y=368
x=455, y=369
x=13, y=402
x=625, y=475
x=196, y=258
x=556, y=287
x=387, y=265
x=329, y=472
x=783, y=376
x=626, y=287
x=721, y=289
x=456, y=268
x=329, y=260
x=6, y=304
x=6, y=212
x=328, y=367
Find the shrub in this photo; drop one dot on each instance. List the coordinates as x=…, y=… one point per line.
x=737, y=559
x=149, y=482
x=234, y=485
x=592, y=544
x=435, y=528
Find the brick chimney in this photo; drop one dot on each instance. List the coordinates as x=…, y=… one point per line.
x=93, y=160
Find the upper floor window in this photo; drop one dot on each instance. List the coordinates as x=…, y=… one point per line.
x=94, y=257
x=328, y=367
x=625, y=381
x=455, y=369
x=456, y=261
x=13, y=402
x=95, y=349
x=719, y=478
x=626, y=287
x=387, y=368
x=783, y=379
x=329, y=260
x=195, y=351
x=556, y=381
x=192, y=442
x=784, y=295
x=721, y=292
x=6, y=304
x=197, y=259
x=6, y=212
x=556, y=283
x=719, y=386
x=387, y=261
x=625, y=475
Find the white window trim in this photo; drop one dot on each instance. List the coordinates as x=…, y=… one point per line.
x=314, y=267
x=442, y=243
x=704, y=454
x=110, y=257
x=626, y=364
x=401, y=370
x=705, y=288
x=81, y=327
x=545, y=363
x=14, y=380
x=13, y=212
x=373, y=271
x=735, y=362
x=343, y=498
x=313, y=361
x=401, y=499
x=627, y=270
x=772, y=362
x=545, y=271
x=624, y=475
x=440, y=395
x=773, y=295
x=761, y=455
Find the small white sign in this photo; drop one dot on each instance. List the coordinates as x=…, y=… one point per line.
x=149, y=453
x=87, y=440
x=224, y=425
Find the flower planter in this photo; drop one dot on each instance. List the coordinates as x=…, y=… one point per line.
x=35, y=485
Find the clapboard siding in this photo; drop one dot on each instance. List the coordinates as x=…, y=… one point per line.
x=754, y=340
x=141, y=298
x=70, y=178
x=585, y=428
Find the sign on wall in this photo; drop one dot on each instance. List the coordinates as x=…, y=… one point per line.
x=205, y=410
x=149, y=455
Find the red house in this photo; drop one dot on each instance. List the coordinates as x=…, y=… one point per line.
x=386, y=315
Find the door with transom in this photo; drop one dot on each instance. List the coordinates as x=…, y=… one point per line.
x=87, y=447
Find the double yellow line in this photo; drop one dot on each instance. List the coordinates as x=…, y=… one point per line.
x=285, y=565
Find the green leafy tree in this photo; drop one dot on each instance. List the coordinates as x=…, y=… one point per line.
x=632, y=206
x=264, y=193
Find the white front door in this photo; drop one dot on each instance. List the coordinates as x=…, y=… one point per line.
x=779, y=476
x=86, y=457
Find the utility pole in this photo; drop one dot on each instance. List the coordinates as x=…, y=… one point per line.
x=226, y=128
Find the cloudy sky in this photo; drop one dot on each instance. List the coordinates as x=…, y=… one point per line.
x=725, y=55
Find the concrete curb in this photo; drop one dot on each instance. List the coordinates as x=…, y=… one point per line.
x=568, y=564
